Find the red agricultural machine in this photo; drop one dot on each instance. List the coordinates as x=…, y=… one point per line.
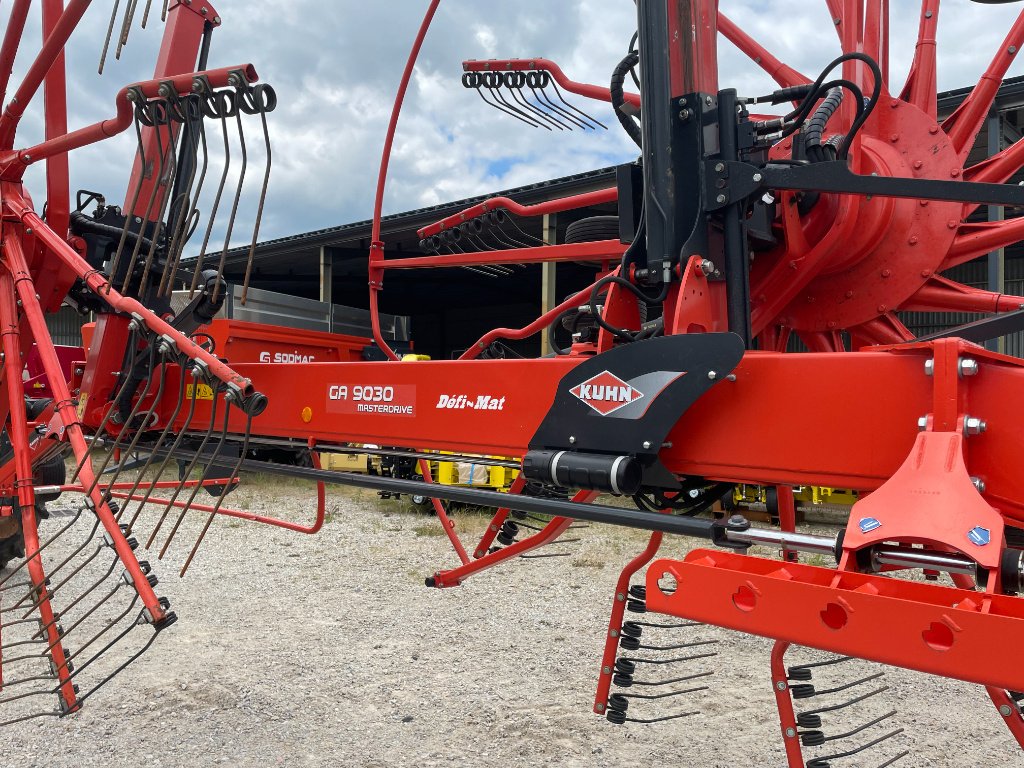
x=736, y=230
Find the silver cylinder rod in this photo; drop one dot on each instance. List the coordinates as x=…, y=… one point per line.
x=904, y=557
x=795, y=542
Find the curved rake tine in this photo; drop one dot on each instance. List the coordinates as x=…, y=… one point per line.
x=496, y=93
x=823, y=762
x=159, y=441
x=132, y=414
x=135, y=438
x=223, y=493
x=102, y=601
x=263, y=106
x=42, y=546
x=110, y=34
x=500, y=108
x=68, y=559
x=187, y=473
x=109, y=415
x=165, y=180
x=126, y=27
x=129, y=210
x=155, y=105
x=210, y=463
x=182, y=206
x=577, y=110
x=218, y=101
x=514, y=82
x=512, y=221
x=234, y=205
x=167, y=457
x=540, y=95
x=110, y=625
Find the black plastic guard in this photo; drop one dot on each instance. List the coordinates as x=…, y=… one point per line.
x=625, y=401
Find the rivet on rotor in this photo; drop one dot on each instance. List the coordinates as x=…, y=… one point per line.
x=781, y=685
x=1005, y=710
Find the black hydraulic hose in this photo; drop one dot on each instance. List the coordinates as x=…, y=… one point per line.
x=83, y=224
x=816, y=125
x=618, y=95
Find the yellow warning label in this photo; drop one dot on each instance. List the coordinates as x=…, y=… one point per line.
x=205, y=392
x=83, y=401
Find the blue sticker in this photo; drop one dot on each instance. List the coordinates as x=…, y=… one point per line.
x=868, y=524
x=979, y=536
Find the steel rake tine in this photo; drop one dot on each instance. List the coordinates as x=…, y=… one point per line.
x=575, y=109
x=215, y=98
x=43, y=546
x=145, y=13
x=132, y=415
x=129, y=211
x=107, y=647
x=823, y=762
x=110, y=625
x=187, y=473
x=496, y=93
x=155, y=105
x=163, y=11
x=514, y=81
x=234, y=206
x=223, y=494
x=78, y=622
x=211, y=462
x=126, y=26
x=165, y=180
x=506, y=109
x=191, y=220
x=540, y=95
x=263, y=107
x=67, y=560
x=122, y=667
x=89, y=591
x=181, y=207
x=110, y=33
x=159, y=441
x=177, y=441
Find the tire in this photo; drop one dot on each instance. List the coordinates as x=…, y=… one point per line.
x=592, y=229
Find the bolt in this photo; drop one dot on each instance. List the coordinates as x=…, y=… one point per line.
x=647, y=445
x=620, y=597
x=933, y=129
x=204, y=11
x=979, y=484
x=721, y=198
x=974, y=426
x=757, y=177
x=968, y=366
x=790, y=733
x=923, y=203
x=781, y=685
x=929, y=367
x=614, y=633
x=918, y=164
x=719, y=167
x=886, y=273
x=600, y=707
x=849, y=294
x=926, y=273
x=607, y=670
x=894, y=137
x=572, y=440
x=682, y=102
x=882, y=309
x=831, y=324
x=708, y=100
x=27, y=158
x=913, y=240
x=1005, y=710
x=894, y=103
x=712, y=375
x=922, y=423
x=216, y=19
x=707, y=266
x=1011, y=50
x=954, y=172
x=927, y=14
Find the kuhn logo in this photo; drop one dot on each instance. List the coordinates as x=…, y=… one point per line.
x=286, y=357
x=606, y=393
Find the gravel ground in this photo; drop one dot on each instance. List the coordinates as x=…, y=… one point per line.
x=329, y=651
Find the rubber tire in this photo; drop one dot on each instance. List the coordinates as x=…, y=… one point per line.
x=592, y=229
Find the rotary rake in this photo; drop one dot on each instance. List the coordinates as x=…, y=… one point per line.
x=736, y=231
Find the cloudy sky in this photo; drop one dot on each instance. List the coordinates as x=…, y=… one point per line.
x=335, y=66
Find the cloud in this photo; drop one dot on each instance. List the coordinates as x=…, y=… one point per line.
x=335, y=66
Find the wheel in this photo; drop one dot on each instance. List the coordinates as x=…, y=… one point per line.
x=836, y=269
x=593, y=228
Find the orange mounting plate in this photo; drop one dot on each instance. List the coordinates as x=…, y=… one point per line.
x=915, y=625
